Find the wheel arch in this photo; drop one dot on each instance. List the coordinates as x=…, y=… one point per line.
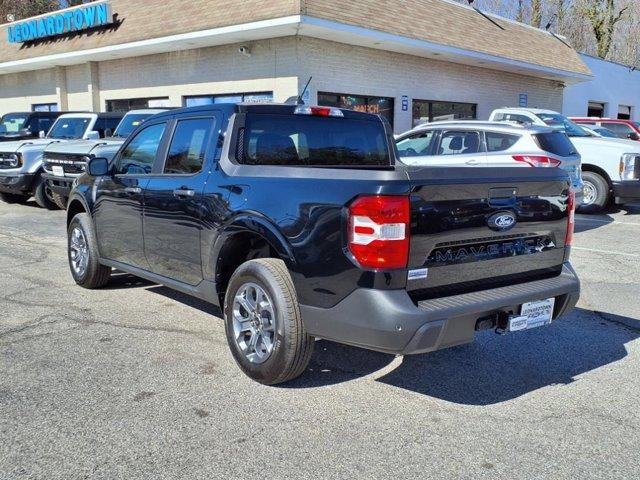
x=75, y=205
x=247, y=238
x=588, y=167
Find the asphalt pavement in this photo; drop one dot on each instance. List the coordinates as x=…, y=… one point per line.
x=135, y=381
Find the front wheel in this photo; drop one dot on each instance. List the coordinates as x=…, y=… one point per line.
x=42, y=194
x=263, y=323
x=596, y=193
x=83, y=254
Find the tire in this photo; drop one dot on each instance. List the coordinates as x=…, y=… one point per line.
x=596, y=193
x=42, y=194
x=291, y=345
x=93, y=275
x=59, y=200
x=13, y=198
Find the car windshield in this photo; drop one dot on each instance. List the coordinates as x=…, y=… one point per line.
x=69, y=128
x=129, y=123
x=12, y=123
x=560, y=122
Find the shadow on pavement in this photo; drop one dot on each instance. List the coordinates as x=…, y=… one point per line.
x=495, y=368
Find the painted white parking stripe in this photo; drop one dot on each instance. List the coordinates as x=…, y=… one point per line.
x=609, y=252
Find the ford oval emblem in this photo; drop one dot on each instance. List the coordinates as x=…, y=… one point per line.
x=501, y=221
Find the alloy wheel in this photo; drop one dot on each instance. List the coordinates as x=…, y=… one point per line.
x=254, y=322
x=79, y=252
x=590, y=193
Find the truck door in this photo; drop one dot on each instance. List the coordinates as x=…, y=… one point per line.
x=173, y=200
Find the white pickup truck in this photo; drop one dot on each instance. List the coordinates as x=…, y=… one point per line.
x=610, y=167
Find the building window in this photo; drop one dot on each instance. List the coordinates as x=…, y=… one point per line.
x=378, y=105
x=595, y=109
x=624, y=112
x=431, y=111
x=127, y=104
x=197, y=100
x=44, y=107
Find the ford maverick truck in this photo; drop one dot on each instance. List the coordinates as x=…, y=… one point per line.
x=21, y=173
x=63, y=162
x=300, y=223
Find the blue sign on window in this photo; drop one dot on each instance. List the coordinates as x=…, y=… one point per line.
x=524, y=100
x=81, y=18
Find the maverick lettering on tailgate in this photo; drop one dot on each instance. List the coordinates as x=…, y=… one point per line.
x=477, y=252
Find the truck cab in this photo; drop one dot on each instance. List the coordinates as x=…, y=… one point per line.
x=26, y=125
x=21, y=173
x=65, y=161
x=610, y=167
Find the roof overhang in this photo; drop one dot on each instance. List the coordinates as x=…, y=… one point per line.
x=288, y=26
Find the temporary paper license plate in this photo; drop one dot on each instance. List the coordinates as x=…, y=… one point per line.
x=532, y=315
x=57, y=170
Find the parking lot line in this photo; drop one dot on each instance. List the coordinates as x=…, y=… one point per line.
x=609, y=252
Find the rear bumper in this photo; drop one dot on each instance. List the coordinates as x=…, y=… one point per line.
x=389, y=321
x=626, y=191
x=16, y=183
x=60, y=185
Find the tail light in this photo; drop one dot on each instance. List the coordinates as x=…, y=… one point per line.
x=318, y=111
x=572, y=219
x=379, y=231
x=537, y=160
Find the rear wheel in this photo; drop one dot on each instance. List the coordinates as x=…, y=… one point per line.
x=42, y=194
x=263, y=323
x=596, y=193
x=83, y=254
x=13, y=198
x=59, y=200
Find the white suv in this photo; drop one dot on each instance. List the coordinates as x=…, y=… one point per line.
x=490, y=144
x=610, y=167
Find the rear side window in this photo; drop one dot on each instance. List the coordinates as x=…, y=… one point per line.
x=299, y=140
x=459, y=143
x=555, y=142
x=188, y=146
x=499, y=142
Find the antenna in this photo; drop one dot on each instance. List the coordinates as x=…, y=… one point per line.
x=299, y=100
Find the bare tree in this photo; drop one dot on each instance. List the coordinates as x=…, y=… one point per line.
x=603, y=17
x=536, y=13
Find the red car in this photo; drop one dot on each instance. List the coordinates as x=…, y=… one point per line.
x=622, y=128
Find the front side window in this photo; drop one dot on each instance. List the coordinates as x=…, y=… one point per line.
x=69, y=128
x=297, y=140
x=12, y=123
x=188, y=146
x=499, y=142
x=416, y=145
x=459, y=142
x=140, y=153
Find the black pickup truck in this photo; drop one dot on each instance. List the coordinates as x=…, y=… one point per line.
x=300, y=223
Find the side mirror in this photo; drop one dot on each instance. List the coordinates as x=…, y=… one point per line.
x=93, y=135
x=42, y=134
x=633, y=136
x=98, y=167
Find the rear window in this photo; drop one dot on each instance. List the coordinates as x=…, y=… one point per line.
x=299, y=140
x=556, y=143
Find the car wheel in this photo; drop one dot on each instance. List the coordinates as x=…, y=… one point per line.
x=596, y=193
x=59, y=200
x=263, y=323
x=83, y=254
x=42, y=194
x=13, y=198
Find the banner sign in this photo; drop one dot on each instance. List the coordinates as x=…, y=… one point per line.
x=75, y=20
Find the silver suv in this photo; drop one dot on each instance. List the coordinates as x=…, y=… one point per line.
x=490, y=144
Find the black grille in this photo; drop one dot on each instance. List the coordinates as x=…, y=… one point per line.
x=71, y=164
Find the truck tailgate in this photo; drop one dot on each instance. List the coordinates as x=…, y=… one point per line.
x=474, y=229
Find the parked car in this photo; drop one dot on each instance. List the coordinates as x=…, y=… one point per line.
x=299, y=223
x=627, y=129
x=490, y=144
x=610, y=167
x=63, y=162
x=26, y=125
x=21, y=174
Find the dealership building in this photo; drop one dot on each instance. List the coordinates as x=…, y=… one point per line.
x=410, y=61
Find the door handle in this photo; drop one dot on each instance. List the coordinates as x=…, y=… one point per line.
x=133, y=190
x=473, y=161
x=184, y=193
